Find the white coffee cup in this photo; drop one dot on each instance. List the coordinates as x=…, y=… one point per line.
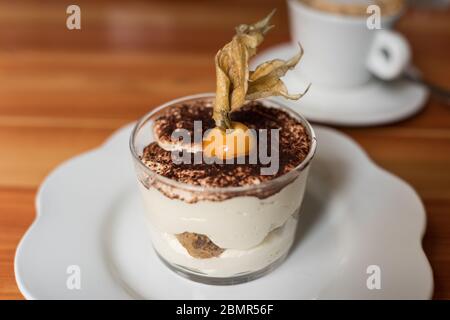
x=341, y=51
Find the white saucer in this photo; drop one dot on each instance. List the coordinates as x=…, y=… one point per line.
x=355, y=214
x=374, y=103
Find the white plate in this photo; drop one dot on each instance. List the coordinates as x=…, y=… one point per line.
x=355, y=214
x=374, y=103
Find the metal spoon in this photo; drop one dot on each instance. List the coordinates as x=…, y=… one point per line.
x=413, y=75
x=439, y=92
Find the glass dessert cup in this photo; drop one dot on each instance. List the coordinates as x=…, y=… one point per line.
x=252, y=226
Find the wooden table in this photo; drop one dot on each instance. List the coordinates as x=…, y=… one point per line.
x=63, y=92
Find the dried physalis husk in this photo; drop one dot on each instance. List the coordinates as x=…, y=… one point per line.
x=232, y=71
x=235, y=84
x=265, y=80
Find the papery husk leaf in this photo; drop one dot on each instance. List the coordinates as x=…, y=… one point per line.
x=238, y=72
x=222, y=101
x=232, y=71
x=260, y=27
x=235, y=84
x=265, y=80
x=275, y=68
x=271, y=88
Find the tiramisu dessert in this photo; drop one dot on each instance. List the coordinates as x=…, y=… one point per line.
x=223, y=176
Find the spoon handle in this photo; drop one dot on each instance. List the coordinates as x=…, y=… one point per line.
x=441, y=93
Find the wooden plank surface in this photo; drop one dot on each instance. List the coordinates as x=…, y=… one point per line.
x=63, y=92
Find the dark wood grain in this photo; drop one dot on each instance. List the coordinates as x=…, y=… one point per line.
x=63, y=92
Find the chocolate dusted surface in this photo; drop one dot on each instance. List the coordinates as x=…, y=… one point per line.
x=294, y=145
x=182, y=116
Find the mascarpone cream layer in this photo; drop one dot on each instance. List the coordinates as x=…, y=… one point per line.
x=231, y=262
x=238, y=223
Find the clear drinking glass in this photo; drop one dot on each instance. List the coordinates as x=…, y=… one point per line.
x=255, y=224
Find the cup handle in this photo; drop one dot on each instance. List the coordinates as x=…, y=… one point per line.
x=389, y=55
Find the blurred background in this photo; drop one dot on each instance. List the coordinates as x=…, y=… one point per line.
x=64, y=91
